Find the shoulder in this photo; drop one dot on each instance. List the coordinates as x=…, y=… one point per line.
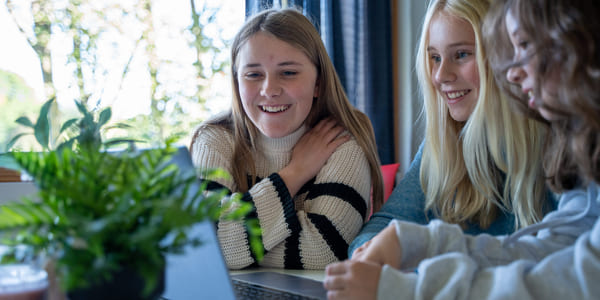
x=350, y=149
x=208, y=133
x=211, y=136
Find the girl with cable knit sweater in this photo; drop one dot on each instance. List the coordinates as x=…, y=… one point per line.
x=295, y=147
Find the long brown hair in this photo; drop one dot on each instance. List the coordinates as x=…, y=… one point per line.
x=564, y=36
x=290, y=26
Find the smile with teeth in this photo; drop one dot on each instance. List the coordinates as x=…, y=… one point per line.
x=274, y=108
x=457, y=94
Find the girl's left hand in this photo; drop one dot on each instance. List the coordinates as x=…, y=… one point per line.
x=311, y=153
x=352, y=279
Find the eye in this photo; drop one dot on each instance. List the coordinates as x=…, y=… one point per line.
x=462, y=54
x=524, y=44
x=435, y=58
x=289, y=73
x=252, y=75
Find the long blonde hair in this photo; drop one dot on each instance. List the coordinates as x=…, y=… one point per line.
x=290, y=26
x=492, y=162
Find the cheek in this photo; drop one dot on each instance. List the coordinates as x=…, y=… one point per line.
x=246, y=91
x=473, y=75
x=552, y=83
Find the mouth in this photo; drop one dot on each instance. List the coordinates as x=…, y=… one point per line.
x=274, y=108
x=530, y=99
x=455, y=96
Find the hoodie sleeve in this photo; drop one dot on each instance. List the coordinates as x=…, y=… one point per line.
x=577, y=212
x=565, y=253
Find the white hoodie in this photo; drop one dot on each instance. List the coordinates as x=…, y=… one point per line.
x=562, y=261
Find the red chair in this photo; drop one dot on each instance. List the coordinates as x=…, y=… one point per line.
x=389, y=172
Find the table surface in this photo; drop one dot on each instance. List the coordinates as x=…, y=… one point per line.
x=318, y=275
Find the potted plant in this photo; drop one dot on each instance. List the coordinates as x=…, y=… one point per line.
x=102, y=215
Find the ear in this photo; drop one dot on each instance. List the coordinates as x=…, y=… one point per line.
x=316, y=93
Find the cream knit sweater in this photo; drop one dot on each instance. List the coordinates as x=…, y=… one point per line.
x=307, y=232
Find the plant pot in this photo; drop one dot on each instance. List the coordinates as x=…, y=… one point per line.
x=126, y=284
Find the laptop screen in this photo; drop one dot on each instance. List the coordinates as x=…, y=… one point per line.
x=201, y=272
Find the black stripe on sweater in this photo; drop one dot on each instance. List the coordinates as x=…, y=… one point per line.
x=252, y=215
x=292, y=253
x=287, y=203
x=342, y=191
x=291, y=258
x=331, y=235
x=214, y=186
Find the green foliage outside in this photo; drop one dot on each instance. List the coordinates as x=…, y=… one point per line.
x=132, y=25
x=16, y=100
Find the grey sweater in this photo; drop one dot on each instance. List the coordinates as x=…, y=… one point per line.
x=561, y=261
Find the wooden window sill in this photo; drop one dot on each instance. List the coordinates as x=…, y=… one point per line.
x=7, y=175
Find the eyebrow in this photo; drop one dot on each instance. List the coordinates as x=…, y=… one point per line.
x=453, y=45
x=281, y=64
x=516, y=31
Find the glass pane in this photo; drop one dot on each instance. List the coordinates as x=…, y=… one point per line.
x=161, y=65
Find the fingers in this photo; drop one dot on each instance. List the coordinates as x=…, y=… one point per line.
x=334, y=279
x=351, y=280
x=335, y=268
x=331, y=133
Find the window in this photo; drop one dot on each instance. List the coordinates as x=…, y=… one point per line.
x=161, y=65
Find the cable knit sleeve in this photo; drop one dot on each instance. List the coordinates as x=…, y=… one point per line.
x=307, y=232
x=315, y=228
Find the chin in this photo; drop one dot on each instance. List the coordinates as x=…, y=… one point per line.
x=459, y=117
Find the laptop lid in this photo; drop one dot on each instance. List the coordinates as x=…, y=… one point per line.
x=200, y=272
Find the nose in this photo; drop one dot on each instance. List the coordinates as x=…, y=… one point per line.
x=515, y=74
x=444, y=73
x=271, y=87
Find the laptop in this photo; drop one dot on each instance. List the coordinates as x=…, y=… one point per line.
x=201, y=272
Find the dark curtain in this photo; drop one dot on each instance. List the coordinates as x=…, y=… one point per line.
x=358, y=37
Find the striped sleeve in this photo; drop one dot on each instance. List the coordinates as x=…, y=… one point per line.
x=329, y=212
x=307, y=232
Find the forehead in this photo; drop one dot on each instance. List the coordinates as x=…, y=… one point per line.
x=512, y=24
x=446, y=30
x=265, y=49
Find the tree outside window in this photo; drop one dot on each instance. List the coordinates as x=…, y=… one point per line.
x=161, y=65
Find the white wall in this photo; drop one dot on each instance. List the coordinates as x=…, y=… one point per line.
x=410, y=127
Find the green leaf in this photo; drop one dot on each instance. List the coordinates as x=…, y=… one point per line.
x=82, y=109
x=68, y=124
x=41, y=129
x=116, y=141
x=24, y=121
x=104, y=117
x=119, y=126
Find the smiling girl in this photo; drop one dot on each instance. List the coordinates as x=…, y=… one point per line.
x=479, y=165
x=295, y=147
